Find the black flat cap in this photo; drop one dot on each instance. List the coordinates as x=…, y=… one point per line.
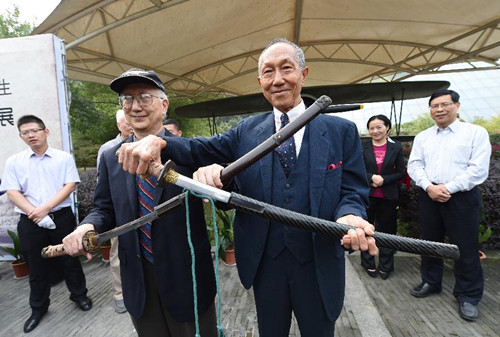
x=136, y=75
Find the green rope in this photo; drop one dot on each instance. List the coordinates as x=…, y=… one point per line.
x=220, y=332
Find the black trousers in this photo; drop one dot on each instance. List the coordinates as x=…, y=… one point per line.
x=382, y=213
x=458, y=219
x=32, y=239
x=157, y=322
x=283, y=285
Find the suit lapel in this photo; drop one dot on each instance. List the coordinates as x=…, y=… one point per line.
x=387, y=159
x=368, y=150
x=266, y=163
x=319, y=146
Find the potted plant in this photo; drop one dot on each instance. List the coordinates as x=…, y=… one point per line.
x=105, y=249
x=19, y=265
x=484, y=235
x=225, y=226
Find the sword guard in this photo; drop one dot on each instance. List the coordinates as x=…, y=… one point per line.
x=89, y=243
x=162, y=177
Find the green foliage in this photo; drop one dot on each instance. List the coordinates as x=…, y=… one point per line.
x=16, y=250
x=85, y=192
x=93, y=110
x=484, y=233
x=225, y=226
x=93, y=119
x=11, y=26
x=421, y=123
x=225, y=221
x=492, y=125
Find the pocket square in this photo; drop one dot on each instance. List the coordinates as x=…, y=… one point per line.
x=334, y=166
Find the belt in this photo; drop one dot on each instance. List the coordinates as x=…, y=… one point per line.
x=52, y=215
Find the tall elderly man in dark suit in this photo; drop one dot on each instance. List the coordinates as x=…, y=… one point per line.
x=155, y=260
x=319, y=172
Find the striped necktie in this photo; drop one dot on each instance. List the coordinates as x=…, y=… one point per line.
x=286, y=151
x=145, y=193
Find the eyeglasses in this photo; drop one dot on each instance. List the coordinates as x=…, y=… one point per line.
x=442, y=105
x=144, y=100
x=26, y=133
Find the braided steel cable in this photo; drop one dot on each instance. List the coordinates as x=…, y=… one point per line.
x=337, y=230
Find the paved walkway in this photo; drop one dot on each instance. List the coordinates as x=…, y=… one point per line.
x=373, y=307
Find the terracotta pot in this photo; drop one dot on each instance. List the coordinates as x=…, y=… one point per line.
x=105, y=253
x=482, y=255
x=20, y=268
x=230, y=259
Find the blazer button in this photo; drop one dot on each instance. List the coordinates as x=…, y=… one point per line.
x=287, y=200
x=287, y=186
x=138, y=257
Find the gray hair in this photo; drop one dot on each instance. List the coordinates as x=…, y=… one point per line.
x=119, y=115
x=162, y=95
x=301, y=59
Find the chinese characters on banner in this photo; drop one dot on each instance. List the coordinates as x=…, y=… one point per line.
x=6, y=113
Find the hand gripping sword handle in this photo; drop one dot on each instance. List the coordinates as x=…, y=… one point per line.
x=89, y=242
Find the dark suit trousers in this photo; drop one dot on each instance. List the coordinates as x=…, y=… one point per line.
x=458, y=219
x=283, y=284
x=382, y=213
x=32, y=239
x=156, y=321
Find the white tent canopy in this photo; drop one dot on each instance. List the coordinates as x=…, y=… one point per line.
x=201, y=46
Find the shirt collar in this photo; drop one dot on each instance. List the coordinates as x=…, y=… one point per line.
x=49, y=152
x=292, y=114
x=160, y=134
x=453, y=127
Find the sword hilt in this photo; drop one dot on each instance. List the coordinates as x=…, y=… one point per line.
x=89, y=242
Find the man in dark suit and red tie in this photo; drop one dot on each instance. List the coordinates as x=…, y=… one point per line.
x=155, y=260
x=319, y=172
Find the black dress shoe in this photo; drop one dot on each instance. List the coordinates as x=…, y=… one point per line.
x=84, y=303
x=468, y=311
x=424, y=290
x=33, y=321
x=384, y=275
x=371, y=272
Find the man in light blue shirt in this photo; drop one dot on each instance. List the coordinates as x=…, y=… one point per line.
x=39, y=182
x=448, y=161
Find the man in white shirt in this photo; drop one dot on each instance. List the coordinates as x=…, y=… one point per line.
x=448, y=161
x=114, y=262
x=39, y=182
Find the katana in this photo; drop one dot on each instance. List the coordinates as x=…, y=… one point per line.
x=92, y=240
x=302, y=221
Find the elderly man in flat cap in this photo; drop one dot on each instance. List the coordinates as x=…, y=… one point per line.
x=155, y=260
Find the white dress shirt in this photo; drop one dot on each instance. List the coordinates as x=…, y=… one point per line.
x=457, y=156
x=40, y=178
x=292, y=115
